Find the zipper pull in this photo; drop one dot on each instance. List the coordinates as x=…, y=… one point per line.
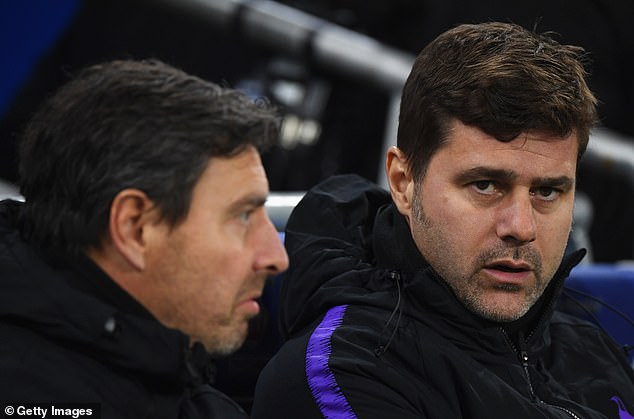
x=524, y=360
x=523, y=350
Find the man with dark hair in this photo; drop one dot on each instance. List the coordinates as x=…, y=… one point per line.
x=142, y=246
x=438, y=300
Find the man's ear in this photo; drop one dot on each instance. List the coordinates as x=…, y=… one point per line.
x=400, y=179
x=131, y=213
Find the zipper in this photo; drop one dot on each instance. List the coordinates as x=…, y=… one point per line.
x=564, y=410
x=522, y=354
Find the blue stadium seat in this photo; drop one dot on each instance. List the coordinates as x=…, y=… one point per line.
x=609, y=284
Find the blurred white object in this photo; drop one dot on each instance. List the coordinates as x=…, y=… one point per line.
x=9, y=191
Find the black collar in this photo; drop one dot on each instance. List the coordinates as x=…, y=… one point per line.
x=86, y=276
x=394, y=248
x=393, y=244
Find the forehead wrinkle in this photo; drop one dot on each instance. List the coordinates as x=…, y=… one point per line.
x=535, y=138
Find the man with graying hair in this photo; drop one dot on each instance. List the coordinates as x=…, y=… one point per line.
x=142, y=246
x=437, y=299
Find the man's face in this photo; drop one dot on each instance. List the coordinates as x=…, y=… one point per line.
x=209, y=270
x=493, y=218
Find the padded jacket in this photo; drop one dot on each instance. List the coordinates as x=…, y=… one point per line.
x=374, y=332
x=61, y=341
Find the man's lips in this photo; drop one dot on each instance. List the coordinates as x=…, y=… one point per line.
x=509, y=271
x=250, y=304
x=509, y=265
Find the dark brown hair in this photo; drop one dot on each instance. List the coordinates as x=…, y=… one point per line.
x=128, y=124
x=498, y=77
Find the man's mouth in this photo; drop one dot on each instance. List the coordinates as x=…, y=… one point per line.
x=509, y=272
x=509, y=265
x=505, y=268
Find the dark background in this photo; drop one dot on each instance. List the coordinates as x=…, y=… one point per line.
x=43, y=43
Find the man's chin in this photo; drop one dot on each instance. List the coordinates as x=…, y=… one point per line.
x=502, y=317
x=503, y=311
x=225, y=350
x=227, y=343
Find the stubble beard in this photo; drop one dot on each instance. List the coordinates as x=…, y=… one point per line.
x=227, y=339
x=464, y=283
x=475, y=300
x=230, y=332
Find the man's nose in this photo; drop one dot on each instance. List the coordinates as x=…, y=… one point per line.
x=271, y=255
x=516, y=220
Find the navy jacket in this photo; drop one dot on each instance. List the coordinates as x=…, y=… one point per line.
x=69, y=334
x=374, y=332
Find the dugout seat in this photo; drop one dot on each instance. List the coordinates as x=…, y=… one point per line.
x=604, y=294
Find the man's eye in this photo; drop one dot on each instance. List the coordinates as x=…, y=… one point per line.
x=245, y=215
x=484, y=186
x=546, y=193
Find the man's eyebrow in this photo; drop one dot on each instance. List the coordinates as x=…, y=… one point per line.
x=484, y=173
x=503, y=175
x=250, y=201
x=561, y=182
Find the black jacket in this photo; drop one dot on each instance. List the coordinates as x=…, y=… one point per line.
x=375, y=333
x=69, y=334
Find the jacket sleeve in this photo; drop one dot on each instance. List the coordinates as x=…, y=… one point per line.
x=593, y=365
x=284, y=389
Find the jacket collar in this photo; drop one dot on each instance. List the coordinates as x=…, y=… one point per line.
x=394, y=248
x=117, y=330
x=393, y=244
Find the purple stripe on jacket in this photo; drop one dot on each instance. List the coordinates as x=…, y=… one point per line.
x=323, y=385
